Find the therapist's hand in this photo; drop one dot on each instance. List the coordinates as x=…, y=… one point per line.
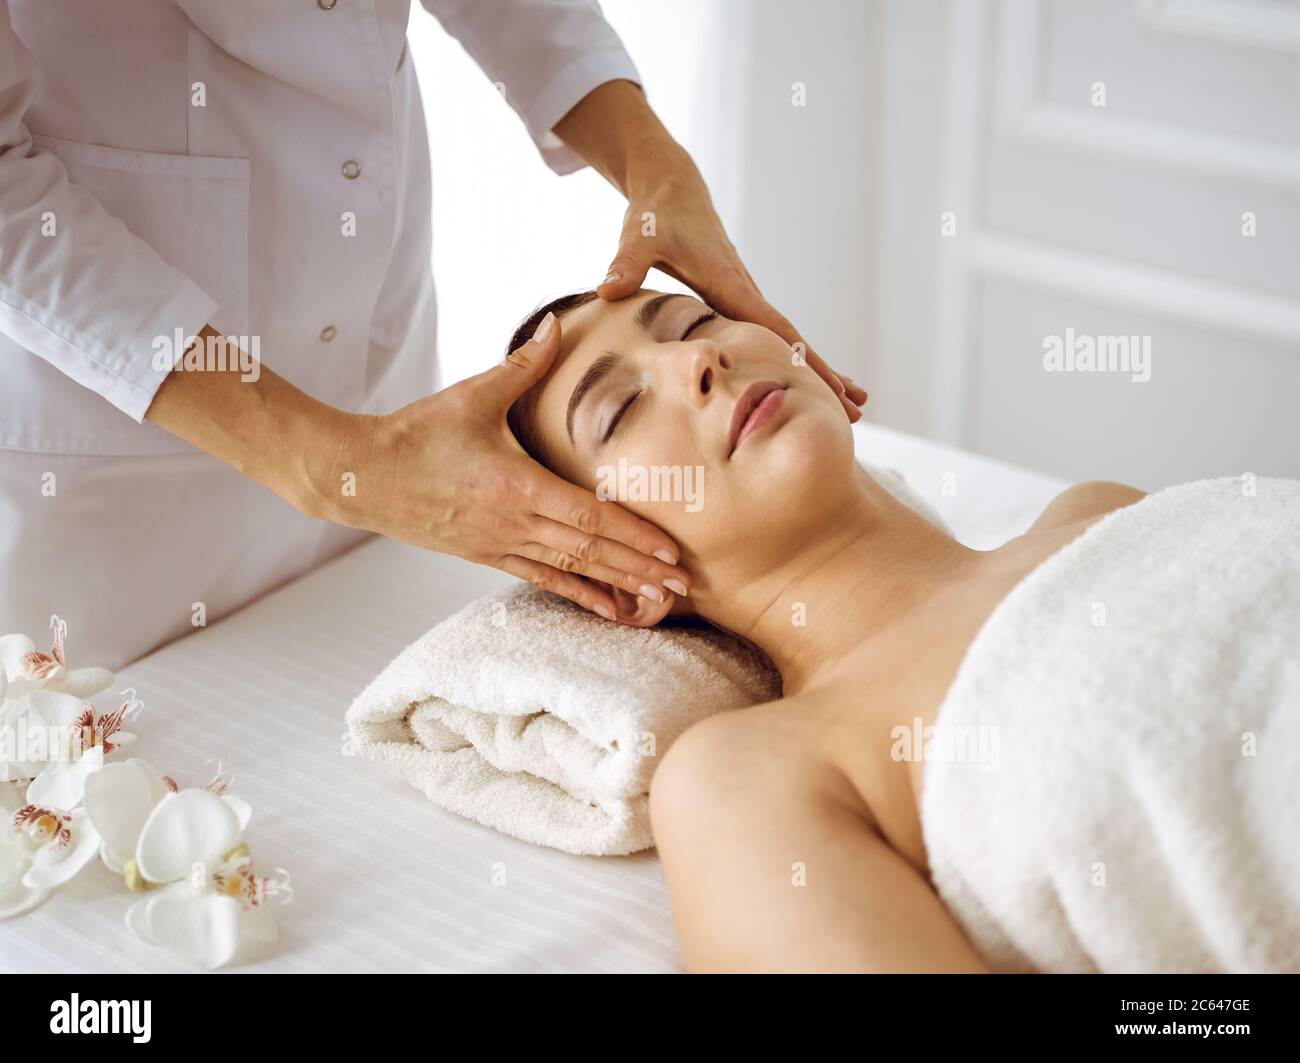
x=670, y=222
x=688, y=242
x=446, y=473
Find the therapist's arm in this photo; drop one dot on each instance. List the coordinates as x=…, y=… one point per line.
x=443, y=473
x=614, y=129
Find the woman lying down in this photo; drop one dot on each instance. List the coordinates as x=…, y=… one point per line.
x=1123, y=679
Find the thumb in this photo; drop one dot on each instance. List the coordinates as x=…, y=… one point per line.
x=526, y=364
x=626, y=274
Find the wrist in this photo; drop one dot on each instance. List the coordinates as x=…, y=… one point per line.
x=330, y=451
x=657, y=169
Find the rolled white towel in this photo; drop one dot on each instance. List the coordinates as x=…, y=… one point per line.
x=532, y=716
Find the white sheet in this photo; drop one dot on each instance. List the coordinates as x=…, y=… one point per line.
x=383, y=880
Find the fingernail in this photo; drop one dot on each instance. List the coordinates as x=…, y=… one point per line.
x=665, y=557
x=676, y=586
x=604, y=610
x=649, y=590
x=611, y=277
x=544, y=329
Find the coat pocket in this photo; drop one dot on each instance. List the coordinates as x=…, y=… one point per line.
x=193, y=211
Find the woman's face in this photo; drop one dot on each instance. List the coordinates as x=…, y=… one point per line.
x=703, y=425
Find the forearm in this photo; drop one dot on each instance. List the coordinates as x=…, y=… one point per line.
x=617, y=132
x=265, y=428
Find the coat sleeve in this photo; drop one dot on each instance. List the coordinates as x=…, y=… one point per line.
x=544, y=55
x=77, y=287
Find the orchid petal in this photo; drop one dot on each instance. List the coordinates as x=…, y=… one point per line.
x=118, y=800
x=242, y=809
x=16, y=898
x=13, y=648
x=193, y=827
x=49, y=708
x=63, y=785
x=82, y=682
x=195, y=924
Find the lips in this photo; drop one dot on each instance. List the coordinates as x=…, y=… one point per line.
x=753, y=410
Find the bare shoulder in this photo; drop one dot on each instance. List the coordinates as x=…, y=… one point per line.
x=1095, y=498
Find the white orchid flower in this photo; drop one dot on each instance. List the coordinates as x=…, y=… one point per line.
x=203, y=901
x=59, y=742
x=15, y=859
x=27, y=669
x=58, y=843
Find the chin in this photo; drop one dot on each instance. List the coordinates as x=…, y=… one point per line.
x=806, y=461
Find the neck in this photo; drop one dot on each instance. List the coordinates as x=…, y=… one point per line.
x=875, y=563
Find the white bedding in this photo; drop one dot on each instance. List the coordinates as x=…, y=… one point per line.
x=383, y=880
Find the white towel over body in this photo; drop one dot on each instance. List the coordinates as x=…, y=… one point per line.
x=1142, y=687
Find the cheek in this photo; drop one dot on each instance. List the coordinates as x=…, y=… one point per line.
x=658, y=474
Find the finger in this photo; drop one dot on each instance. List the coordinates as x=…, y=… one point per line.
x=856, y=392
x=581, y=509
x=610, y=562
x=818, y=365
x=525, y=365
x=738, y=299
x=627, y=272
x=611, y=577
x=575, y=588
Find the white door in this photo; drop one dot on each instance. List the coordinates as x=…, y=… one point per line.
x=1120, y=176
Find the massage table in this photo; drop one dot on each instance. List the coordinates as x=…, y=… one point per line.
x=384, y=881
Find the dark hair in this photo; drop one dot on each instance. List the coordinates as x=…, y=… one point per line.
x=521, y=417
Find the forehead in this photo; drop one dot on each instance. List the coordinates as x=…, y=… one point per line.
x=587, y=332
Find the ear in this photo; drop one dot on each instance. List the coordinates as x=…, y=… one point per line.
x=636, y=611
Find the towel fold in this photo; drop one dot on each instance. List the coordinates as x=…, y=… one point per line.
x=529, y=715
x=1140, y=694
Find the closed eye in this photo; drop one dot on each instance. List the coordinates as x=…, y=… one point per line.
x=609, y=432
x=703, y=319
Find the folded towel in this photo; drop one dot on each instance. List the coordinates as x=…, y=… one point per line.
x=1140, y=692
x=530, y=715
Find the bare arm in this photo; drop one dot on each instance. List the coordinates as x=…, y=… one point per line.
x=772, y=863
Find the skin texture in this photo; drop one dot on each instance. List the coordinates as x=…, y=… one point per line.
x=444, y=472
x=790, y=836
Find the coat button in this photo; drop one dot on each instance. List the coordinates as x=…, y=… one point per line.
x=352, y=169
x=326, y=5
x=328, y=333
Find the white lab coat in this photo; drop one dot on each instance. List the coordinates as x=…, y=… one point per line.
x=128, y=211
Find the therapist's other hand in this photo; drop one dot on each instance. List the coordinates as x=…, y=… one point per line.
x=671, y=225
x=446, y=473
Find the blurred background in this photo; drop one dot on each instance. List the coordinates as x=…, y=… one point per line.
x=963, y=180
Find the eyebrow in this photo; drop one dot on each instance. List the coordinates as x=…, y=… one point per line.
x=596, y=372
x=649, y=310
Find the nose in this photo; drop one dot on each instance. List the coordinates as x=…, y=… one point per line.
x=702, y=365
